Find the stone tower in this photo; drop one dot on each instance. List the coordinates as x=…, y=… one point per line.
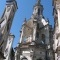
x=6, y=21
x=35, y=37
x=57, y=29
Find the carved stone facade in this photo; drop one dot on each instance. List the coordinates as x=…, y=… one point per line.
x=38, y=40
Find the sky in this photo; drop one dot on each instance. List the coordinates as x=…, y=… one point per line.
x=25, y=10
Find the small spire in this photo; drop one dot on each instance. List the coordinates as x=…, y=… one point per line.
x=38, y=2
x=25, y=20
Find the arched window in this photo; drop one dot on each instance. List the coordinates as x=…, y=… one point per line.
x=39, y=11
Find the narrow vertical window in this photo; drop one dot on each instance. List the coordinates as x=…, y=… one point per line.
x=0, y=36
x=43, y=38
x=7, y=26
x=37, y=34
x=38, y=11
x=38, y=26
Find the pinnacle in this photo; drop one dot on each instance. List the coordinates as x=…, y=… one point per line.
x=38, y=2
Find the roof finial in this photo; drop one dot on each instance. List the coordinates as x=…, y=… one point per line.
x=25, y=20
x=38, y=2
